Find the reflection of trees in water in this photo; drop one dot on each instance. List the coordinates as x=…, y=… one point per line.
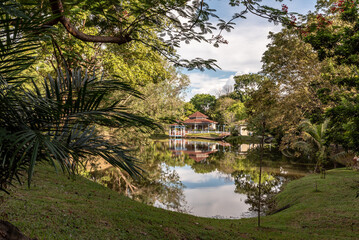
x=247, y=183
x=223, y=161
x=247, y=180
x=244, y=169
x=159, y=184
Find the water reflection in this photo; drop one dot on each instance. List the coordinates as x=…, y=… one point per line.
x=196, y=150
x=200, y=150
x=204, y=178
x=160, y=185
x=212, y=194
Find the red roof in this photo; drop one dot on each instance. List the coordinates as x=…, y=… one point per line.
x=197, y=156
x=178, y=123
x=198, y=115
x=195, y=118
x=198, y=121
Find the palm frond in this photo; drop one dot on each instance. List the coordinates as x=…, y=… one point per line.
x=59, y=125
x=56, y=122
x=344, y=157
x=20, y=38
x=303, y=146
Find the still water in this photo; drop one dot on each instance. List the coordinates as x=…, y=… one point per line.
x=203, y=178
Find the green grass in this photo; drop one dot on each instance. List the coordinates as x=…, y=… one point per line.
x=211, y=135
x=57, y=207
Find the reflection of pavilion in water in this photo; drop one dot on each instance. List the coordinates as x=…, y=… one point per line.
x=196, y=150
x=199, y=151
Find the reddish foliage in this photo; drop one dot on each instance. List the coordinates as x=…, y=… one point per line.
x=284, y=8
x=341, y=5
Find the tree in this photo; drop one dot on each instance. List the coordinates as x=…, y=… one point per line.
x=296, y=75
x=162, y=101
x=261, y=107
x=313, y=142
x=188, y=109
x=55, y=122
x=221, y=110
x=229, y=111
x=122, y=22
x=68, y=106
x=338, y=40
x=245, y=84
x=203, y=102
x=136, y=63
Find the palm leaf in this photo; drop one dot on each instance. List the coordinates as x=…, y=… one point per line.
x=56, y=122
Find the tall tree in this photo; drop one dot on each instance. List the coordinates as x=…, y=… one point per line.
x=122, y=22
x=203, y=102
x=313, y=142
x=229, y=111
x=188, y=109
x=294, y=76
x=338, y=40
x=245, y=84
x=107, y=21
x=294, y=68
x=162, y=101
x=55, y=122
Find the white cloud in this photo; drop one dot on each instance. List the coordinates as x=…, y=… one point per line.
x=247, y=43
x=217, y=202
x=204, y=83
x=187, y=174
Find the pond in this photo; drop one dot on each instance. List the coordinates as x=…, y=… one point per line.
x=203, y=178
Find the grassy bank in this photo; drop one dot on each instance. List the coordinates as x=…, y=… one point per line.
x=57, y=207
x=204, y=135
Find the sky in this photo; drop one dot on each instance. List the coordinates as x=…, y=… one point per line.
x=243, y=53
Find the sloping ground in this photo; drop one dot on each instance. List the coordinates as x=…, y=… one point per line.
x=57, y=207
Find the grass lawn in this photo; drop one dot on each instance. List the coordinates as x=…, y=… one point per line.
x=209, y=135
x=57, y=207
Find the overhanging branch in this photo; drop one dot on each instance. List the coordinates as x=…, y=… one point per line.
x=58, y=10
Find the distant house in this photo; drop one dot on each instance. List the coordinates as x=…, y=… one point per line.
x=242, y=129
x=200, y=123
x=197, y=122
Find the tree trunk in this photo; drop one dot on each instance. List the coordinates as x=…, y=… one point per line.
x=10, y=232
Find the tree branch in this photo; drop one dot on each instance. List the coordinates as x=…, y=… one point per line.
x=58, y=10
